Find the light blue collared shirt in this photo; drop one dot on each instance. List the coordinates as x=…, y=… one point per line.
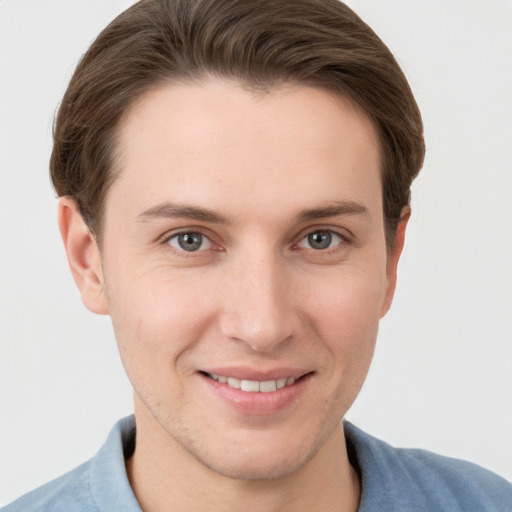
x=392, y=480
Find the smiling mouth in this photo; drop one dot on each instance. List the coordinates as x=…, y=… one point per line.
x=255, y=386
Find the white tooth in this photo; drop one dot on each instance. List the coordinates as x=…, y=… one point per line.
x=281, y=383
x=234, y=383
x=252, y=386
x=268, y=385
x=223, y=379
x=214, y=376
x=290, y=380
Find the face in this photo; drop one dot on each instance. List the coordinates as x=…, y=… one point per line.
x=245, y=269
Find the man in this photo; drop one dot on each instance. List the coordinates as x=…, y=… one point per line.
x=234, y=180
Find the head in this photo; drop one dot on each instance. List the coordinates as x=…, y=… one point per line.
x=262, y=45
x=236, y=181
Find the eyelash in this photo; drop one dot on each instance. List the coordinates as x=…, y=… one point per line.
x=166, y=239
x=343, y=239
x=332, y=234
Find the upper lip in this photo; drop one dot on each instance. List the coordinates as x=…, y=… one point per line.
x=244, y=373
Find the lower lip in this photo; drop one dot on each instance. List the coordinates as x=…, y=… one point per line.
x=258, y=403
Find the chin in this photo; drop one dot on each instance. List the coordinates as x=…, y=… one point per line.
x=256, y=466
x=260, y=458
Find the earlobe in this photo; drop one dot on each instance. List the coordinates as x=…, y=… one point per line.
x=83, y=256
x=393, y=258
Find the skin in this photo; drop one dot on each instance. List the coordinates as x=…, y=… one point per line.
x=269, y=169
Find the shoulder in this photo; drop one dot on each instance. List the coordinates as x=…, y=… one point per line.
x=68, y=493
x=418, y=480
x=99, y=485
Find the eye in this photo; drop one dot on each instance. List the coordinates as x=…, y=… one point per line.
x=320, y=240
x=190, y=242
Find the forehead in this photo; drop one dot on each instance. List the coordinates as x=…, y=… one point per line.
x=219, y=143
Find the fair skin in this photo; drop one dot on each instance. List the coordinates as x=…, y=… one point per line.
x=243, y=238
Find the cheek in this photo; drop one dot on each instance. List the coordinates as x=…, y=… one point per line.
x=349, y=303
x=156, y=319
x=346, y=317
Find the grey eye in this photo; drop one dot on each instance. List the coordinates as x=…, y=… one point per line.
x=320, y=240
x=190, y=242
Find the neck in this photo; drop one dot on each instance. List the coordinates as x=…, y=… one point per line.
x=164, y=477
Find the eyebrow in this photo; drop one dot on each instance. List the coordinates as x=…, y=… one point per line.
x=333, y=209
x=170, y=210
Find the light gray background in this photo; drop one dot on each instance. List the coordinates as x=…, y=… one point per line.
x=442, y=374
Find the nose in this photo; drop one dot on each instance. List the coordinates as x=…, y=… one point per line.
x=258, y=307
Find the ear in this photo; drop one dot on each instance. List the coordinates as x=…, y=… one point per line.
x=83, y=256
x=393, y=258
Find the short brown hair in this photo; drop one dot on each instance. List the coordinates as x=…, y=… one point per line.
x=261, y=44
